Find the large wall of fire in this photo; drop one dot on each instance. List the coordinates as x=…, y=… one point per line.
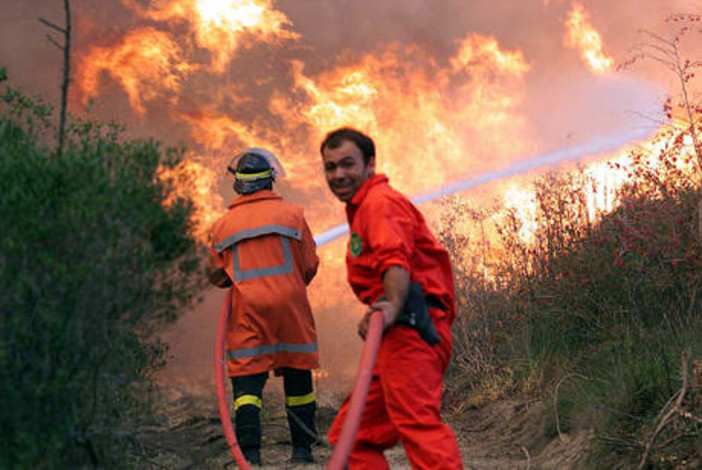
x=449, y=89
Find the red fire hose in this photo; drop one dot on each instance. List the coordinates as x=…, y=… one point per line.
x=342, y=449
x=222, y=400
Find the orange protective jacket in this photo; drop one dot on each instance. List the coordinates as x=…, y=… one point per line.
x=388, y=230
x=267, y=249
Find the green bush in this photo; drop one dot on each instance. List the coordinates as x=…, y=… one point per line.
x=91, y=264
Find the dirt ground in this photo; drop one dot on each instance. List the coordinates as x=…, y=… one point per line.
x=505, y=435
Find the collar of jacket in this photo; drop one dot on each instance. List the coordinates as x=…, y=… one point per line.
x=362, y=192
x=257, y=196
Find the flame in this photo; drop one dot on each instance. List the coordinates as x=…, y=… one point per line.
x=190, y=180
x=521, y=200
x=150, y=63
x=435, y=119
x=485, y=53
x=441, y=117
x=146, y=62
x=582, y=36
x=602, y=180
x=221, y=22
x=222, y=26
x=214, y=130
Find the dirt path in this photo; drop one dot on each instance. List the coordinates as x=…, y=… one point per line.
x=505, y=435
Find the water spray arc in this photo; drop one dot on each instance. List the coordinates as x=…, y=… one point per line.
x=594, y=147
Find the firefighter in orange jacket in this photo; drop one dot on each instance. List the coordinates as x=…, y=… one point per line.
x=396, y=266
x=263, y=250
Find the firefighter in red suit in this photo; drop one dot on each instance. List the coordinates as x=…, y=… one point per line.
x=391, y=254
x=263, y=250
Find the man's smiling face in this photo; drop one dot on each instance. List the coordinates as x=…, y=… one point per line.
x=345, y=169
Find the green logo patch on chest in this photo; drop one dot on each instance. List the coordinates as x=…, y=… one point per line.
x=355, y=245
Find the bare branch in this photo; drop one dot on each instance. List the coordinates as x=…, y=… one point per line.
x=52, y=25
x=528, y=456
x=655, y=36
x=664, y=420
x=618, y=442
x=53, y=41
x=65, y=83
x=670, y=53
x=668, y=63
x=66, y=75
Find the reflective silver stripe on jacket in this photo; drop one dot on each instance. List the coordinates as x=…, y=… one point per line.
x=286, y=233
x=272, y=349
x=257, y=232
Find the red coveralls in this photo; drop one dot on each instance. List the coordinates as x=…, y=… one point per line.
x=268, y=251
x=404, y=399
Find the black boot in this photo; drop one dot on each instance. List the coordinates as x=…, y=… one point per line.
x=301, y=406
x=301, y=455
x=252, y=456
x=247, y=415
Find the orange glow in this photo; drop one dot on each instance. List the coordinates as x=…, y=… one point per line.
x=222, y=26
x=485, y=53
x=434, y=121
x=193, y=181
x=146, y=62
x=213, y=130
x=602, y=180
x=580, y=35
x=232, y=74
x=150, y=63
x=521, y=199
x=441, y=117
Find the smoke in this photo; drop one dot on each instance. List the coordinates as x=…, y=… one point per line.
x=454, y=92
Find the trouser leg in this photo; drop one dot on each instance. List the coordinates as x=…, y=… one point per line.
x=412, y=378
x=375, y=434
x=248, y=391
x=301, y=406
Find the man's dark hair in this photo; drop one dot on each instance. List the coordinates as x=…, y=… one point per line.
x=334, y=139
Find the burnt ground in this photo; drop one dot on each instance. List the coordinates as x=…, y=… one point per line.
x=503, y=435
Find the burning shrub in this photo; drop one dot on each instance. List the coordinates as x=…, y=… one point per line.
x=595, y=308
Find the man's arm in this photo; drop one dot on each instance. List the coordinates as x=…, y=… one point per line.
x=216, y=274
x=309, y=254
x=396, y=281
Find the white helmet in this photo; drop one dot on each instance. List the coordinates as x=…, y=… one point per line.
x=254, y=169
